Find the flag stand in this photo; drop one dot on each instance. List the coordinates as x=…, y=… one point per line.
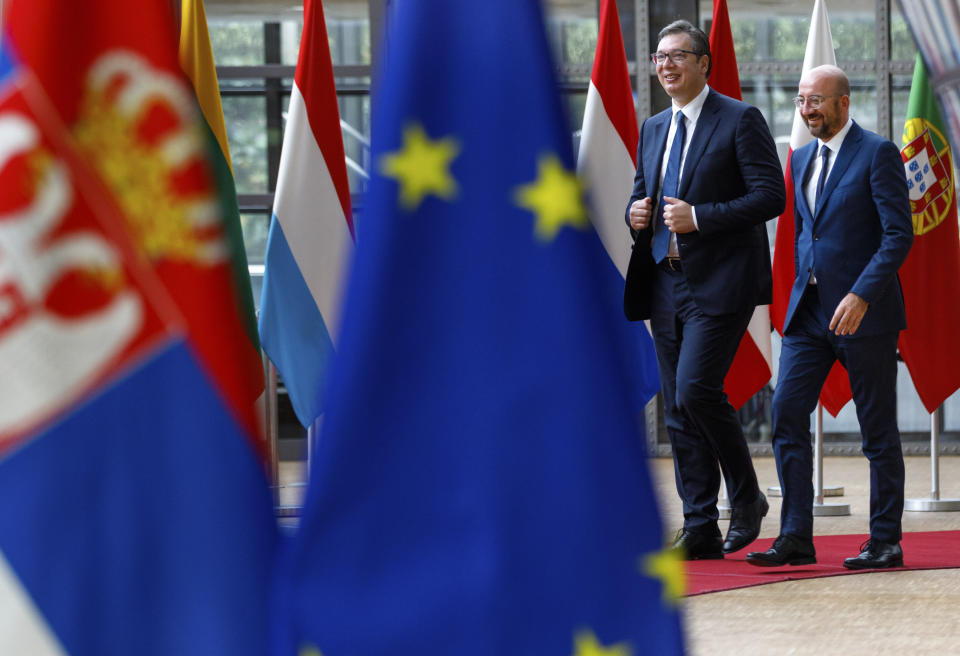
x=271, y=421
x=934, y=503
x=723, y=504
x=821, y=509
x=272, y=431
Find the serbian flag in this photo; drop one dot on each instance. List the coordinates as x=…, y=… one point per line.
x=136, y=519
x=752, y=366
x=111, y=70
x=931, y=272
x=311, y=229
x=836, y=390
x=608, y=144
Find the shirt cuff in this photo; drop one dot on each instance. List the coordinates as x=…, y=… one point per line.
x=693, y=210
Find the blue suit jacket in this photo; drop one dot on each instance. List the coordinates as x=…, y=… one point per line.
x=732, y=176
x=858, y=235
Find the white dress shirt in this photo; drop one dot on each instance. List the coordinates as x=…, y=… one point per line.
x=691, y=112
x=810, y=189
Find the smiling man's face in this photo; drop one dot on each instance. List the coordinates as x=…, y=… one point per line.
x=829, y=118
x=681, y=80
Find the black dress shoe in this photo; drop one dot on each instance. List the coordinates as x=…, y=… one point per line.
x=876, y=555
x=786, y=550
x=697, y=546
x=745, y=524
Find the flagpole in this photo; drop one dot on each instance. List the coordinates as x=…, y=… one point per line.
x=821, y=509
x=272, y=431
x=723, y=504
x=934, y=503
x=822, y=491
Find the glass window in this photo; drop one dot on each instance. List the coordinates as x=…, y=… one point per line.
x=255, y=226
x=355, y=128
x=863, y=101
x=236, y=43
x=902, y=45
x=901, y=96
x=572, y=28
x=246, y=122
x=777, y=30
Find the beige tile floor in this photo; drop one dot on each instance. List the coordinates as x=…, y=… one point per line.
x=901, y=613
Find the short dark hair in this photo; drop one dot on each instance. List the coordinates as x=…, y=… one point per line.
x=698, y=40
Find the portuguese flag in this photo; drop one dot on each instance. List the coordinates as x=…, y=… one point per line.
x=931, y=273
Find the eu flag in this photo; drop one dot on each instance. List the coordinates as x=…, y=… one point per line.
x=480, y=485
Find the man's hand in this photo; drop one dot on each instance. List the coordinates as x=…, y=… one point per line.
x=678, y=215
x=848, y=315
x=640, y=213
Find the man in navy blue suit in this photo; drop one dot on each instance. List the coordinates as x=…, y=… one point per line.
x=853, y=231
x=708, y=179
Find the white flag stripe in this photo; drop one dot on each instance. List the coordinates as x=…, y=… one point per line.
x=818, y=53
x=608, y=169
x=321, y=248
x=22, y=628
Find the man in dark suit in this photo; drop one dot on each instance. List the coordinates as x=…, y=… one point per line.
x=853, y=231
x=700, y=265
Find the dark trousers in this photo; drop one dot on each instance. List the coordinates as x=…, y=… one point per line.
x=694, y=353
x=809, y=351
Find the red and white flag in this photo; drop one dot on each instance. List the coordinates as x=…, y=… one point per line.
x=753, y=363
x=608, y=144
x=836, y=391
x=608, y=141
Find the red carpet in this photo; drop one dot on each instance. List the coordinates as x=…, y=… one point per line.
x=933, y=550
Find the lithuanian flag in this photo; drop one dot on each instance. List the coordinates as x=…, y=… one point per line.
x=196, y=60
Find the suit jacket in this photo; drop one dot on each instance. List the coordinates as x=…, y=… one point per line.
x=860, y=232
x=732, y=176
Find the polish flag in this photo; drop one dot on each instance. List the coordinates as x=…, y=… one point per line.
x=753, y=363
x=836, y=391
x=311, y=228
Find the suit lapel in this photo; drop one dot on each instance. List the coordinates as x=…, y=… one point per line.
x=653, y=157
x=848, y=151
x=706, y=123
x=801, y=177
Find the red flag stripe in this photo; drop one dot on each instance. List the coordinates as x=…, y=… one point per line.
x=324, y=115
x=611, y=78
x=750, y=370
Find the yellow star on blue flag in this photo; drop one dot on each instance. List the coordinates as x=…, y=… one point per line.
x=586, y=644
x=481, y=422
x=555, y=198
x=421, y=167
x=668, y=567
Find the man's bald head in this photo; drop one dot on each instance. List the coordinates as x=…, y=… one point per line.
x=828, y=88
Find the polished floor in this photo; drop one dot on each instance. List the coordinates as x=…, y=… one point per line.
x=901, y=613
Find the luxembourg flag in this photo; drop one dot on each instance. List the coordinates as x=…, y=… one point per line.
x=608, y=143
x=836, y=390
x=311, y=231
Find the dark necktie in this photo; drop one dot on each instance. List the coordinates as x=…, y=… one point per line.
x=824, y=160
x=671, y=178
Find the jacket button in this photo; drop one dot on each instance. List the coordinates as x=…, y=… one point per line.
x=816, y=238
